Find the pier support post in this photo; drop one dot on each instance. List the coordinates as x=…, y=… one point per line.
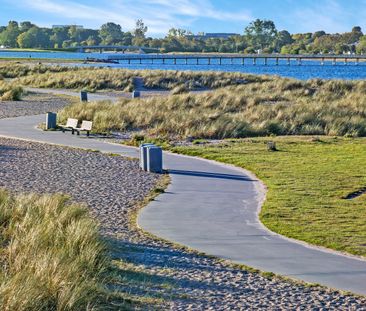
x=254, y=61
x=334, y=61
x=288, y=61
x=243, y=61
x=209, y=61
x=276, y=61
x=186, y=61
x=197, y=61
x=220, y=60
x=299, y=61
x=265, y=61
x=322, y=62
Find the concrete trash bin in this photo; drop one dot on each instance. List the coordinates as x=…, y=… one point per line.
x=143, y=155
x=154, y=159
x=51, y=120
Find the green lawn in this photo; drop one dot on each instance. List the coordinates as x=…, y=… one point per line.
x=307, y=180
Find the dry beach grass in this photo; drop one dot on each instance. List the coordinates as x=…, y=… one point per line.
x=278, y=106
x=51, y=255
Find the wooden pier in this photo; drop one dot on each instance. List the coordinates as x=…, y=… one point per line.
x=123, y=48
x=254, y=59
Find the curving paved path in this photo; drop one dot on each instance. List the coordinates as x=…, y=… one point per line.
x=213, y=208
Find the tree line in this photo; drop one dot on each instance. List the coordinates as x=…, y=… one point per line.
x=260, y=36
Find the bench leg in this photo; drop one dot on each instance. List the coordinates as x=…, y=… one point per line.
x=72, y=131
x=78, y=132
x=87, y=133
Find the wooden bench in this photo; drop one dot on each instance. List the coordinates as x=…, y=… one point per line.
x=70, y=125
x=86, y=126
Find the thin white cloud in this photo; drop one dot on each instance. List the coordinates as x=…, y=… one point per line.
x=329, y=15
x=159, y=15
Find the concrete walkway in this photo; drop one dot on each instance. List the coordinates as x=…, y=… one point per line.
x=91, y=96
x=213, y=208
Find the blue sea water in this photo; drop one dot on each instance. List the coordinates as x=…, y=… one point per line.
x=307, y=69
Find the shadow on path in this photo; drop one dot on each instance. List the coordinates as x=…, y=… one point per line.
x=210, y=175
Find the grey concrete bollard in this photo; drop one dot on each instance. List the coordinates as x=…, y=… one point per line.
x=143, y=155
x=136, y=94
x=154, y=159
x=83, y=96
x=51, y=118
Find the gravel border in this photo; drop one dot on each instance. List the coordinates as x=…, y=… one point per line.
x=32, y=104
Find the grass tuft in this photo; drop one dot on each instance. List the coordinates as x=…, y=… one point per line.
x=51, y=257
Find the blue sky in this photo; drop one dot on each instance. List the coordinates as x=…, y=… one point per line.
x=203, y=15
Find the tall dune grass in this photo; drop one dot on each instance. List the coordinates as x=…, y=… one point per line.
x=93, y=79
x=10, y=91
x=51, y=255
x=16, y=70
x=277, y=106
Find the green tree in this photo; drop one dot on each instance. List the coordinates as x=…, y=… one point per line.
x=318, y=34
x=361, y=46
x=25, y=26
x=127, y=38
x=282, y=38
x=261, y=33
x=110, y=33
x=34, y=38
x=177, y=32
x=9, y=36
x=140, y=29
x=58, y=36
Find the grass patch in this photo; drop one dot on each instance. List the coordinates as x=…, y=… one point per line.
x=277, y=106
x=51, y=257
x=307, y=181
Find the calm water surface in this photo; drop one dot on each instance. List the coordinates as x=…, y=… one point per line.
x=307, y=70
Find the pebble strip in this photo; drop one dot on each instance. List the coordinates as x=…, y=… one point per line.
x=111, y=186
x=32, y=104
